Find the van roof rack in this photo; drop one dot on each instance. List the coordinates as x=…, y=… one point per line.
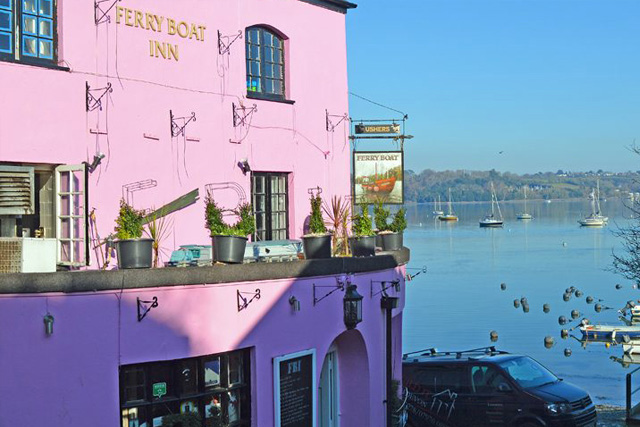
x=481, y=351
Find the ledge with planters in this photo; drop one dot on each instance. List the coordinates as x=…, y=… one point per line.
x=97, y=280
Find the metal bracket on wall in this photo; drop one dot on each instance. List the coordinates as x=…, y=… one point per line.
x=176, y=129
x=225, y=42
x=340, y=284
x=411, y=276
x=129, y=189
x=242, y=113
x=102, y=15
x=93, y=101
x=330, y=126
x=244, y=302
x=143, y=309
x=314, y=192
x=384, y=286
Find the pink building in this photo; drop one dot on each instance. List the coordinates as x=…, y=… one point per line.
x=158, y=103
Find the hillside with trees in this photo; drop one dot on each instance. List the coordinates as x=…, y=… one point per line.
x=473, y=186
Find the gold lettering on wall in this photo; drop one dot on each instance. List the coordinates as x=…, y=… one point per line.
x=152, y=22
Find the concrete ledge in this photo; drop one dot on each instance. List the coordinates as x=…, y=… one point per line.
x=97, y=280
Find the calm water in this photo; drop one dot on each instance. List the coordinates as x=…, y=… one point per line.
x=456, y=304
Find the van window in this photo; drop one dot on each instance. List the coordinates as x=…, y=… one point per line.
x=527, y=372
x=485, y=379
x=438, y=379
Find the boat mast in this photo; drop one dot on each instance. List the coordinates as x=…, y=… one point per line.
x=450, y=210
x=598, y=196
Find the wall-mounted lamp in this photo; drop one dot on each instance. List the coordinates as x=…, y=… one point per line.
x=352, y=304
x=243, y=164
x=97, y=158
x=48, y=324
x=295, y=303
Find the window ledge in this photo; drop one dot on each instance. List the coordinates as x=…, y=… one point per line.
x=37, y=64
x=253, y=95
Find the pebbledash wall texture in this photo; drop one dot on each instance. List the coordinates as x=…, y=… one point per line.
x=159, y=102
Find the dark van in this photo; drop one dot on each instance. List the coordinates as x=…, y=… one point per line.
x=485, y=386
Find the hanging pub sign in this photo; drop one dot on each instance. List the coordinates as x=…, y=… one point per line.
x=378, y=176
x=294, y=378
x=375, y=129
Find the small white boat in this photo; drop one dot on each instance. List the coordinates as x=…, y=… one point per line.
x=493, y=220
x=595, y=218
x=524, y=215
x=449, y=216
x=437, y=207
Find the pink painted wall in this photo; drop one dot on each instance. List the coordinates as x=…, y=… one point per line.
x=43, y=117
x=72, y=376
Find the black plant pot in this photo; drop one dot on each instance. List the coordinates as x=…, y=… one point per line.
x=229, y=249
x=391, y=241
x=378, y=241
x=317, y=246
x=363, y=246
x=134, y=253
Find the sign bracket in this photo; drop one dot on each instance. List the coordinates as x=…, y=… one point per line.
x=101, y=15
x=225, y=47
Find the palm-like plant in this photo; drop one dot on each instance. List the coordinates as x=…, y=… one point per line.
x=338, y=221
x=158, y=228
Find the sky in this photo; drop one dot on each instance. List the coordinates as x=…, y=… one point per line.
x=513, y=85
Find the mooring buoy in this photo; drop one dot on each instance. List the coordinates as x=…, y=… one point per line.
x=548, y=341
x=493, y=335
x=589, y=299
x=578, y=293
x=567, y=352
x=516, y=303
x=575, y=314
x=503, y=286
x=598, y=308
x=562, y=320
x=566, y=296
x=564, y=333
x=546, y=308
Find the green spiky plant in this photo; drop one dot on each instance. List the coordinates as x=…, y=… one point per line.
x=399, y=223
x=338, y=222
x=158, y=228
x=129, y=222
x=361, y=224
x=381, y=217
x=316, y=223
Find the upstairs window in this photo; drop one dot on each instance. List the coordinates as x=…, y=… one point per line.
x=28, y=30
x=265, y=63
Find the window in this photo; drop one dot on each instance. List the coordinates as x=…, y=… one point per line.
x=210, y=391
x=265, y=63
x=270, y=202
x=71, y=224
x=28, y=30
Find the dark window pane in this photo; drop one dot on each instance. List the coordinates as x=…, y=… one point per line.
x=212, y=372
x=268, y=70
x=213, y=411
x=158, y=374
x=235, y=368
x=29, y=24
x=255, y=68
x=5, y=20
x=277, y=71
x=159, y=411
x=188, y=377
x=46, y=8
x=254, y=52
x=29, y=6
x=5, y=42
x=134, y=417
x=29, y=46
x=268, y=86
x=268, y=54
x=233, y=406
x=6, y=4
x=46, y=28
x=134, y=384
x=254, y=36
x=268, y=38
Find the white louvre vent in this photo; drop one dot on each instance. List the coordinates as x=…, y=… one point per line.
x=16, y=190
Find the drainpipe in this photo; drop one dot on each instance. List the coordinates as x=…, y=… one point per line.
x=388, y=304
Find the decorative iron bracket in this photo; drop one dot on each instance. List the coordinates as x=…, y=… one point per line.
x=176, y=129
x=340, y=285
x=129, y=189
x=410, y=277
x=143, y=309
x=330, y=126
x=384, y=286
x=102, y=15
x=244, y=302
x=242, y=113
x=93, y=101
x=314, y=192
x=224, y=47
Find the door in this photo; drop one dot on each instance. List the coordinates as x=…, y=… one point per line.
x=493, y=403
x=328, y=392
x=71, y=216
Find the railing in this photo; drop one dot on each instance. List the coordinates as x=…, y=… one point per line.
x=631, y=410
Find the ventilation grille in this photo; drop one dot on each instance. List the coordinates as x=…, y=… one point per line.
x=16, y=190
x=10, y=256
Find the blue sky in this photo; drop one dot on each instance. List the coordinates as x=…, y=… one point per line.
x=553, y=84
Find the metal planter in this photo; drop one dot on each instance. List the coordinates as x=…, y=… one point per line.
x=316, y=247
x=134, y=253
x=228, y=249
x=362, y=246
x=391, y=241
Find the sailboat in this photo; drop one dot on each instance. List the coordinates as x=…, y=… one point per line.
x=594, y=219
x=437, y=207
x=524, y=214
x=491, y=220
x=449, y=216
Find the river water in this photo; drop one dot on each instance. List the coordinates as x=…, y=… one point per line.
x=458, y=301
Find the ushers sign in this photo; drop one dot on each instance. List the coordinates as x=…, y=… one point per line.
x=160, y=24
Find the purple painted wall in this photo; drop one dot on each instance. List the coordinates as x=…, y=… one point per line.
x=72, y=376
x=43, y=117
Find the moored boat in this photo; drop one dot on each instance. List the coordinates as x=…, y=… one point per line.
x=492, y=219
x=449, y=216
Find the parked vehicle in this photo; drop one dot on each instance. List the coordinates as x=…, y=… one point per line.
x=485, y=386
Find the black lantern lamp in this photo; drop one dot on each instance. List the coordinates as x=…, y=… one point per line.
x=352, y=307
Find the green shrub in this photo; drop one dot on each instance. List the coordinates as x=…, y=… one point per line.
x=381, y=216
x=316, y=223
x=189, y=419
x=362, y=225
x=129, y=222
x=399, y=223
x=214, y=221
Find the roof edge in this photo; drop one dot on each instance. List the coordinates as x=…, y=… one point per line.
x=336, y=5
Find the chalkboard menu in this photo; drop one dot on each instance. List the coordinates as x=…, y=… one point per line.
x=295, y=388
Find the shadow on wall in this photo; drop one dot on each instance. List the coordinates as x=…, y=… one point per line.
x=353, y=368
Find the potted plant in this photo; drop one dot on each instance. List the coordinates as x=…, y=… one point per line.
x=392, y=239
x=228, y=241
x=363, y=241
x=338, y=221
x=381, y=218
x=133, y=251
x=317, y=243
x=158, y=228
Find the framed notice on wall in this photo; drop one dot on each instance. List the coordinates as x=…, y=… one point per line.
x=378, y=176
x=294, y=379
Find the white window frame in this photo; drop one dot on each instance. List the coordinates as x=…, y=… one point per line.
x=71, y=217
